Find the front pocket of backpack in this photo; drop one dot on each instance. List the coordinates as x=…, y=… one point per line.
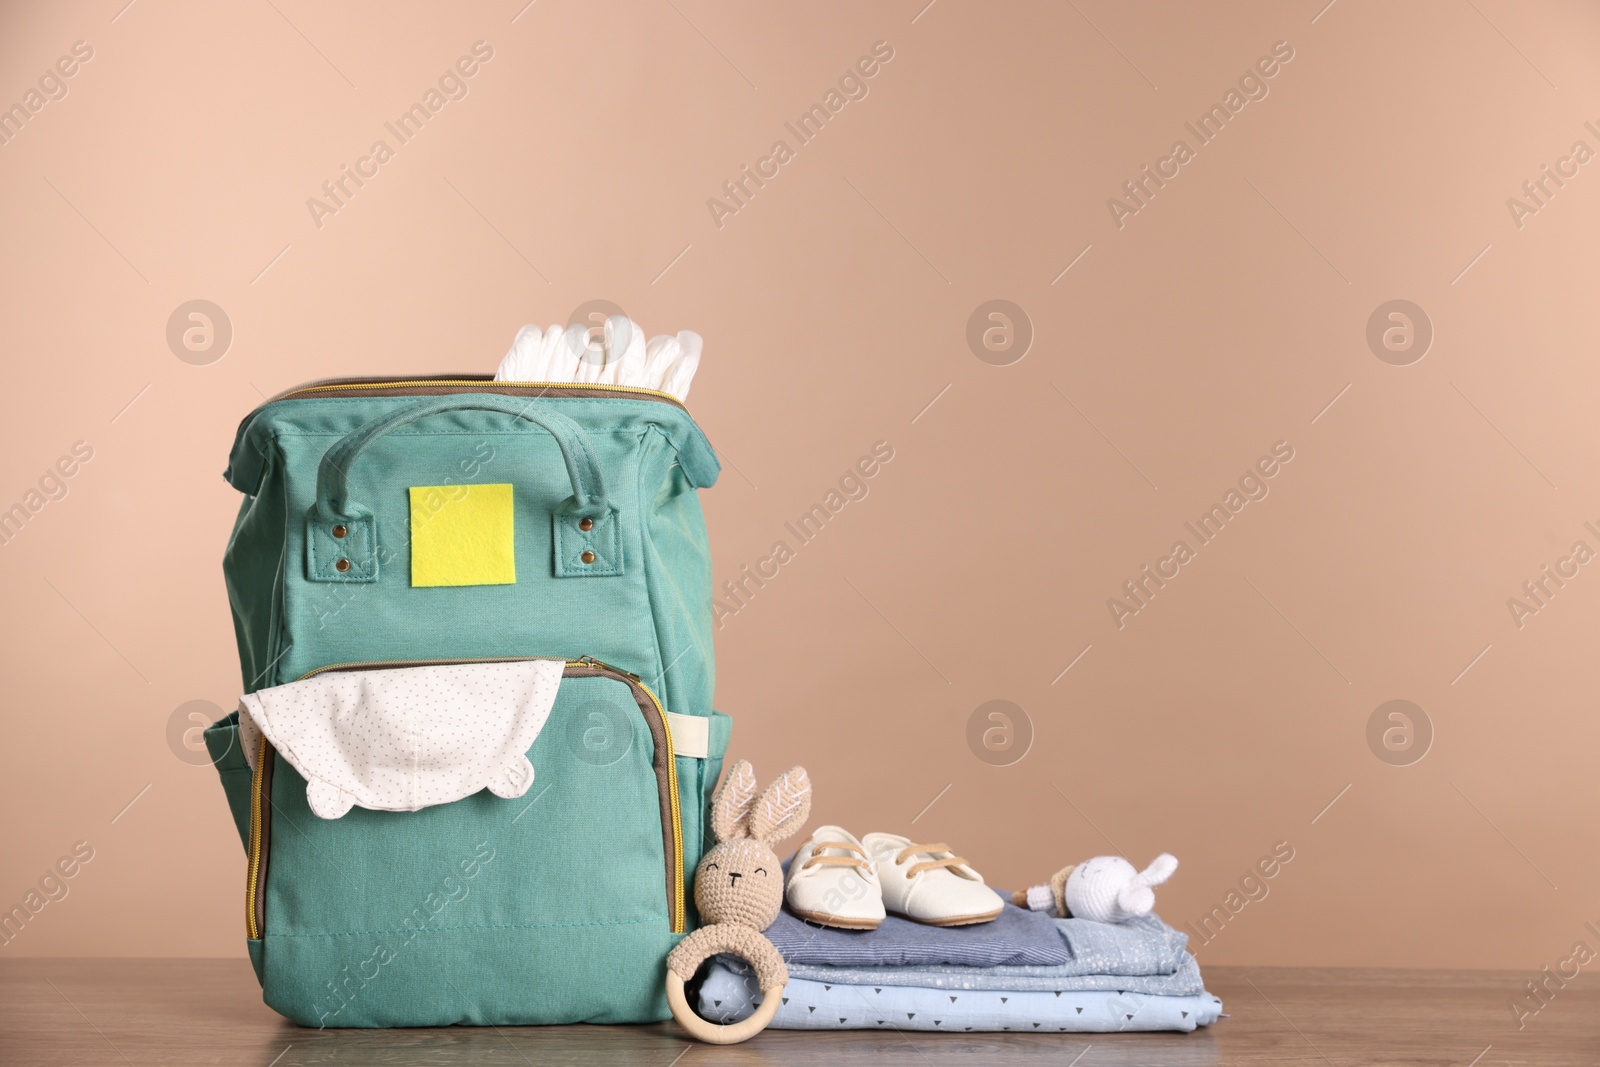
x=604, y=784
x=595, y=843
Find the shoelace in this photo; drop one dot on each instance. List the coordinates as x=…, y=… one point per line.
x=913, y=849
x=859, y=860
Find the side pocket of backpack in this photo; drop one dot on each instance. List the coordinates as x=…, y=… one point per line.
x=222, y=742
x=227, y=756
x=703, y=772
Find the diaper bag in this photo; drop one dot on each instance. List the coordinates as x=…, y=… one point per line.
x=402, y=546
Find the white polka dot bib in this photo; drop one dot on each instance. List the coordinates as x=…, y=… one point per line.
x=409, y=738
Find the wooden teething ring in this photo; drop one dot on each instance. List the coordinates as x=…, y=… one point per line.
x=747, y=944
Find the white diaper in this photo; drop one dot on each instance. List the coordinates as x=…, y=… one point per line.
x=665, y=363
x=409, y=738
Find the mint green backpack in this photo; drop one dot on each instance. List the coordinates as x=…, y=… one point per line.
x=391, y=523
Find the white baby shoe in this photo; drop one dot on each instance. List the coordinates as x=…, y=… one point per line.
x=930, y=883
x=832, y=883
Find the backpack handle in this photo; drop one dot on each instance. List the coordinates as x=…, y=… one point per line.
x=588, y=484
x=341, y=542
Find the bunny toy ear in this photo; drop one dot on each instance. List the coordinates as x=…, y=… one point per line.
x=1159, y=871
x=730, y=810
x=783, y=808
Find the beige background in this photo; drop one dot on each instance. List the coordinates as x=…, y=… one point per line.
x=1224, y=317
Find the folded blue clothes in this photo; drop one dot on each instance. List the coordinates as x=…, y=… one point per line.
x=1143, y=955
x=728, y=994
x=1142, y=946
x=1017, y=937
x=1185, y=981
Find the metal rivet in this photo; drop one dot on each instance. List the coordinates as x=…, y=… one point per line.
x=586, y=524
x=339, y=531
x=342, y=565
x=587, y=557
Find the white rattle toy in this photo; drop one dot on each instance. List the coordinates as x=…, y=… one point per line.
x=1106, y=889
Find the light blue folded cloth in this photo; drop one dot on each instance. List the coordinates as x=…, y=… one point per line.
x=1185, y=981
x=1143, y=946
x=1143, y=955
x=728, y=995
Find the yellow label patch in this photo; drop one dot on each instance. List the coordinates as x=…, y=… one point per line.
x=462, y=535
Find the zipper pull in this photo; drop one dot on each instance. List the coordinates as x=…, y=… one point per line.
x=590, y=661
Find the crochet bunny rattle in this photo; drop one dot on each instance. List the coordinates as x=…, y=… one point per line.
x=1106, y=889
x=738, y=889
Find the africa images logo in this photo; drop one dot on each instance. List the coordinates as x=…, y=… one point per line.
x=1252, y=486
x=1208, y=126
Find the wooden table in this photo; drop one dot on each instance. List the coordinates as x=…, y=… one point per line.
x=210, y=1012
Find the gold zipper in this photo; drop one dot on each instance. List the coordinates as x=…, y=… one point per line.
x=252, y=879
x=484, y=384
x=678, y=921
